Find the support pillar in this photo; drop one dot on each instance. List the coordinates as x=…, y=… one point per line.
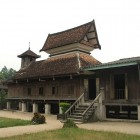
x=8, y=105
x=102, y=108
x=139, y=112
x=47, y=109
x=35, y=107
x=23, y=107
x=20, y=106
x=126, y=87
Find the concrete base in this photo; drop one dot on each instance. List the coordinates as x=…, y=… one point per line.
x=47, y=109
x=60, y=110
x=20, y=106
x=35, y=107
x=23, y=107
x=8, y=105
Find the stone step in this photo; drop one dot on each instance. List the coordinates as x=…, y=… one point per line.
x=81, y=108
x=76, y=116
x=76, y=120
x=77, y=113
x=83, y=105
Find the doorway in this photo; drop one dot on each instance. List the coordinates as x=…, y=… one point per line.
x=92, y=88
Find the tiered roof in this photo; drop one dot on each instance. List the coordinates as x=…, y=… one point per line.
x=28, y=53
x=57, y=66
x=74, y=35
x=68, y=62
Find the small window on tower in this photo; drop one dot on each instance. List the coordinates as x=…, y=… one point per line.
x=31, y=59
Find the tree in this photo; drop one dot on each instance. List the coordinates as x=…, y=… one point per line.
x=6, y=74
x=3, y=95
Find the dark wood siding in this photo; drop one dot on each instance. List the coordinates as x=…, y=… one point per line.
x=133, y=83
x=58, y=89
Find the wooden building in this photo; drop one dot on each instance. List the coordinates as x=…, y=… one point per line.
x=121, y=83
x=96, y=91
x=39, y=86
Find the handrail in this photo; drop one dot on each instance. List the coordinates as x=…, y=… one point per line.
x=74, y=104
x=91, y=104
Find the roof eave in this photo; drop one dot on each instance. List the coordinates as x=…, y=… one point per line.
x=101, y=67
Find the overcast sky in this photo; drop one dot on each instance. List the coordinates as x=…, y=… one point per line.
x=24, y=21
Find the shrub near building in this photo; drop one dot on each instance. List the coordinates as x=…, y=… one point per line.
x=38, y=119
x=64, y=106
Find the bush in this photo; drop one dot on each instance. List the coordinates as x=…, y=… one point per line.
x=69, y=124
x=64, y=106
x=3, y=100
x=38, y=119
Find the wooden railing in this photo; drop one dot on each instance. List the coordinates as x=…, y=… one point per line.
x=74, y=106
x=91, y=107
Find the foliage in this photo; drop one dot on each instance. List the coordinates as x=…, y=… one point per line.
x=38, y=119
x=6, y=74
x=7, y=122
x=74, y=134
x=3, y=95
x=69, y=124
x=64, y=106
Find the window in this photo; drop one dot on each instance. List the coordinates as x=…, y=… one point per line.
x=41, y=90
x=54, y=90
x=29, y=91
x=119, y=85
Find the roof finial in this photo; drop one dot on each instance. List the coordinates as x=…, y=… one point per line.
x=29, y=45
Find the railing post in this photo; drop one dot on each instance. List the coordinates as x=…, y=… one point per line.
x=102, y=93
x=102, y=109
x=83, y=100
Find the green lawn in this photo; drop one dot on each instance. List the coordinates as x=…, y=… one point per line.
x=8, y=122
x=74, y=134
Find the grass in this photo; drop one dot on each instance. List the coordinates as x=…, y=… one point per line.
x=74, y=134
x=8, y=122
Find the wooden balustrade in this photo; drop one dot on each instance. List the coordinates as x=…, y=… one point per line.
x=73, y=107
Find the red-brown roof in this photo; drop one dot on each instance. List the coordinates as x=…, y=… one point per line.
x=57, y=66
x=28, y=53
x=74, y=35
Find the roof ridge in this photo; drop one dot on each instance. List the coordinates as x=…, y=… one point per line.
x=86, y=30
x=71, y=28
x=129, y=58
x=29, y=51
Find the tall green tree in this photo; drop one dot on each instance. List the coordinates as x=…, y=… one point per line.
x=6, y=74
x=3, y=95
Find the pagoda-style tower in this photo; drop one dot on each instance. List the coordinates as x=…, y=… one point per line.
x=27, y=58
x=79, y=39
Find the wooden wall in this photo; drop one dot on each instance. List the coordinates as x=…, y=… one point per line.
x=133, y=83
x=63, y=89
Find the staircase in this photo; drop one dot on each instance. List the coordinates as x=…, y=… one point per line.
x=82, y=111
x=77, y=116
